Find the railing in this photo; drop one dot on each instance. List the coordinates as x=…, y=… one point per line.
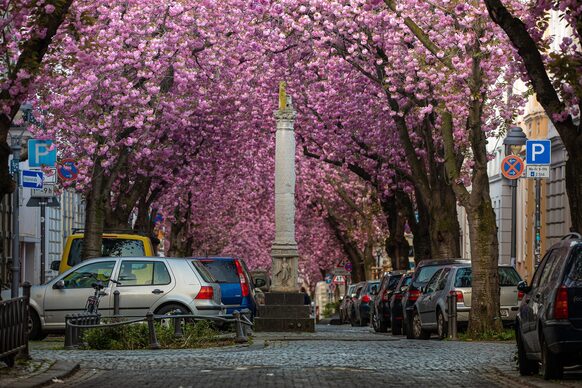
x=14, y=317
x=76, y=324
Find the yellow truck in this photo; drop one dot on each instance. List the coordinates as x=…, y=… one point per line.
x=113, y=244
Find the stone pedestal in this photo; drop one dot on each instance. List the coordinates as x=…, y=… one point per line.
x=284, y=311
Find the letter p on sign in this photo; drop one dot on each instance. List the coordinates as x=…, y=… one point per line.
x=538, y=152
x=41, y=153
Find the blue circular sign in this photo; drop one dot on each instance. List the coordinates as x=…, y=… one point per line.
x=348, y=266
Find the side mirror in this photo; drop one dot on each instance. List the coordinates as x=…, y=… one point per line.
x=523, y=287
x=59, y=285
x=55, y=265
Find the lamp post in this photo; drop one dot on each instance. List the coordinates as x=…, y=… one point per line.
x=378, y=260
x=514, y=142
x=16, y=133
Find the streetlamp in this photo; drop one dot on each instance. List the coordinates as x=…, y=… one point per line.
x=378, y=260
x=16, y=134
x=514, y=142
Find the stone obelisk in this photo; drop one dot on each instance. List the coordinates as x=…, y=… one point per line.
x=284, y=249
x=284, y=308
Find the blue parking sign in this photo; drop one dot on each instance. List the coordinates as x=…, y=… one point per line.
x=41, y=153
x=538, y=152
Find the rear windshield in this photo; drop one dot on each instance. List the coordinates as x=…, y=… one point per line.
x=110, y=247
x=223, y=270
x=393, y=281
x=372, y=284
x=206, y=275
x=576, y=271
x=406, y=281
x=508, y=277
x=423, y=274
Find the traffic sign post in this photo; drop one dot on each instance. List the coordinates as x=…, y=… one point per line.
x=32, y=179
x=41, y=153
x=512, y=167
x=538, y=152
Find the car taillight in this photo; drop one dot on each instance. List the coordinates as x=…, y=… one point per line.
x=459, y=296
x=365, y=299
x=206, y=292
x=520, y=295
x=413, y=295
x=561, y=305
x=385, y=296
x=243, y=280
x=398, y=296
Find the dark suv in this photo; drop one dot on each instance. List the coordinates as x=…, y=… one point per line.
x=396, y=303
x=549, y=321
x=422, y=274
x=380, y=313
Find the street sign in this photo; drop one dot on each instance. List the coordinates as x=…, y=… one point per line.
x=47, y=191
x=50, y=176
x=14, y=166
x=348, y=266
x=41, y=153
x=32, y=179
x=538, y=152
x=50, y=202
x=537, y=171
x=341, y=271
x=512, y=167
x=339, y=280
x=67, y=170
x=328, y=278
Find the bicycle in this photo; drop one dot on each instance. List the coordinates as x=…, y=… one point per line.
x=92, y=304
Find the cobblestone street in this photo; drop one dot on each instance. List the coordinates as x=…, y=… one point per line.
x=334, y=355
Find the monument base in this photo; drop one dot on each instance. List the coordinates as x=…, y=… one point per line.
x=284, y=311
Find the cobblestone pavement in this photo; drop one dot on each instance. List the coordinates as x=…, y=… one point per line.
x=334, y=355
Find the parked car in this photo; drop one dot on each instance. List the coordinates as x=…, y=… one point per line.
x=422, y=274
x=157, y=284
x=396, y=303
x=235, y=282
x=345, y=304
x=361, y=304
x=380, y=316
x=350, y=304
x=430, y=312
x=549, y=320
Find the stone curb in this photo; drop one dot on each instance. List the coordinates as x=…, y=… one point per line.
x=58, y=370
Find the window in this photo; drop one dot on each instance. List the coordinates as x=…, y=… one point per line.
x=443, y=279
x=143, y=273
x=223, y=270
x=88, y=274
x=372, y=286
x=508, y=277
x=203, y=271
x=431, y=286
x=536, y=279
x=549, y=268
x=393, y=281
x=425, y=273
x=111, y=247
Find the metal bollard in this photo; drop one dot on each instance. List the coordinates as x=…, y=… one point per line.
x=116, y=303
x=240, y=335
x=154, y=344
x=246, y=328
x=24, y=354
x=178, y=327
x=68, y=333
x=452, y=307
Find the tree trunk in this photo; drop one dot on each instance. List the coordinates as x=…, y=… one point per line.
x=484, y=315
x=397, y=246
x=574, y=185
x=444, y=229
x=94, y=216
x=181, y=245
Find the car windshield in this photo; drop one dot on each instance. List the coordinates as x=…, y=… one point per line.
x=110, y=247
x=508, y=277
x=223, y=270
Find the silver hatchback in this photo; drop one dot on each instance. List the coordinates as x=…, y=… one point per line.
x=430, y=310
x=157, y=284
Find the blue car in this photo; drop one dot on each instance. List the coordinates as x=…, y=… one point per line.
x=235, y=282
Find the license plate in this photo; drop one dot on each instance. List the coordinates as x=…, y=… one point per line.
x=505, y=313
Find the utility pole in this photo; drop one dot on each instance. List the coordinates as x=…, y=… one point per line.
x=538, y=237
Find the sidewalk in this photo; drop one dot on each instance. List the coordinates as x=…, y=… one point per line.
x=36, y=373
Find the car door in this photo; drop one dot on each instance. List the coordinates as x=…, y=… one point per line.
x=425, y=302
x=143, y=284
x=438, y=295
x=72, y=297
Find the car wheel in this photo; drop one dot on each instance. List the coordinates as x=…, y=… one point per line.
x=396, y=327
x=526, y=367
x=375, y=324
x=35, y=332
x=417, y=331
x=552, y=368
x=442, y=329
x=171, y=309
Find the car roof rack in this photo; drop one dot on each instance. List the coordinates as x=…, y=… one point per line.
x=120, y=231
x=572, y=236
